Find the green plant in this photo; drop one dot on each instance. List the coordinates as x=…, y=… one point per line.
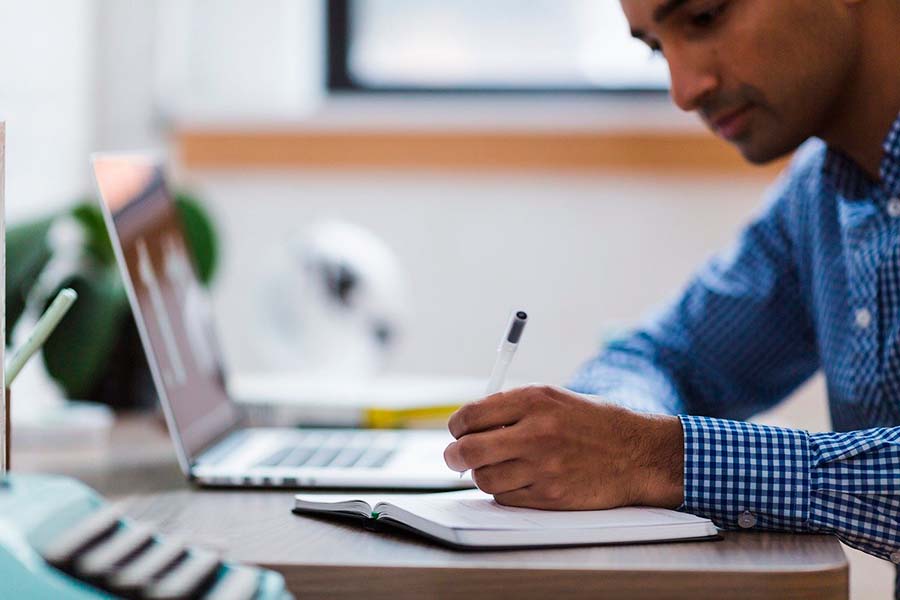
x=95, y=352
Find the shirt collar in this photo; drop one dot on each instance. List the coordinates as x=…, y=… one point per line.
x=851, y=181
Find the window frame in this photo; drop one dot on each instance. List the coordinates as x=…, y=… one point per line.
x=339, y=26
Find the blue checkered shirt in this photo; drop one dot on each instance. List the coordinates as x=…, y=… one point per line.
x=812, y=283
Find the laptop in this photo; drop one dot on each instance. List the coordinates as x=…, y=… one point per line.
x=215, y=447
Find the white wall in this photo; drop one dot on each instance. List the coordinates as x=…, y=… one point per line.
x=46, y=85
x=580, y=253
x=125, y=109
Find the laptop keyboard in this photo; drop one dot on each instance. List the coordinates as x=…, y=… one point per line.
x=336, y=450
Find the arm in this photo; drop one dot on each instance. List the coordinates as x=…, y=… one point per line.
x=747, y=475
x=737, y=340
x=545, y=447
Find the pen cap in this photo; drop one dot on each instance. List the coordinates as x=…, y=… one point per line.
x=514, y=329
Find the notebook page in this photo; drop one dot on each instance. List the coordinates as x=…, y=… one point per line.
x=473, y=509
x=370, y=499
x=325, y=502
x=333, y=503
x=325, y=499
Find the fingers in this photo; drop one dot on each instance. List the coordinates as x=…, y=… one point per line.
x=522, y=497
x=552, y=496
x=503, y=477
x=497, y=410
x=477, y=450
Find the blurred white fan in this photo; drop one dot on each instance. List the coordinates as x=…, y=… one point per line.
x=334, y=302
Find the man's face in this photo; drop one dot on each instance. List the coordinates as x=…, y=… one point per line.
x=763, y=74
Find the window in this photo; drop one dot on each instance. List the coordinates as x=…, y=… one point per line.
x=499, y=45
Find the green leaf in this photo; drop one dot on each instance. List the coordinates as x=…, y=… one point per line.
x=78, y=351
x=27, y=253
x=97, y=242
x=201, y=237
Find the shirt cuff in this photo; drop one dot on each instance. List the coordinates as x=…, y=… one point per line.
x=744, y=475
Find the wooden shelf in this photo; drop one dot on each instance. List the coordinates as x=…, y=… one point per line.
x=675, y=152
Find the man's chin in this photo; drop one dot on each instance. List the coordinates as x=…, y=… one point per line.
x=761, y=154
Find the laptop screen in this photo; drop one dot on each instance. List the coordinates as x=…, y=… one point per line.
x=171, y=308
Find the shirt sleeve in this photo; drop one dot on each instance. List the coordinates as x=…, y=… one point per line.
x=744, y=475
x=736, y=341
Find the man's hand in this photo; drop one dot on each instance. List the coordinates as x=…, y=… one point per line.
x=545, y=447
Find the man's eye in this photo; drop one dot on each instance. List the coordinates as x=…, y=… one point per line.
x=708, y=17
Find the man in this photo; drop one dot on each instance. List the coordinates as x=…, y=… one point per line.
x=813, y=283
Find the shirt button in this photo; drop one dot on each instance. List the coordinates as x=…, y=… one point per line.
x=747, y=519
x=895, y=557
x=863, y=318
x=893, y=207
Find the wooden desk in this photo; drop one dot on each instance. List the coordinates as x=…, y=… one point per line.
x=321, y=558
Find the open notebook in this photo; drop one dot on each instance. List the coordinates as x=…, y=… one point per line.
x=471, y=519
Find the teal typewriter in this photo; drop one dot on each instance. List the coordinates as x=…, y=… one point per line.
x=60, y=540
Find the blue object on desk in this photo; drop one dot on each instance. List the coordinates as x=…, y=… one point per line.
x=59, y=539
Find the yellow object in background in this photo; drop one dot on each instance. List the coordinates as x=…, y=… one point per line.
x=424, y=417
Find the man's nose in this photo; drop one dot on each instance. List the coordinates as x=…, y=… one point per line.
x=692, y=81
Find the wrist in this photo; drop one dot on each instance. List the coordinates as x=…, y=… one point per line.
x=660, y=462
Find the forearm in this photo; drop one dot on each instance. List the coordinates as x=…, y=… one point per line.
x=743, y=475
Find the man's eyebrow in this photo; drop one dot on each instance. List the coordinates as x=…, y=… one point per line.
x=662, y=12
